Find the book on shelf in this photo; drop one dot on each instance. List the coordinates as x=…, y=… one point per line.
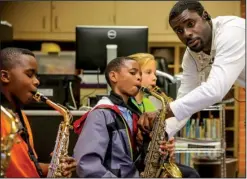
x=199, y=139
x=196, y=143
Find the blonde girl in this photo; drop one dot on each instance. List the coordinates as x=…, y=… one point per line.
x=148, y=68
x=142, y=102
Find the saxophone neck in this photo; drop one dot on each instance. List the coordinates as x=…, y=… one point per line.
x=160, y=92
x=156, y=94
x=61, y=109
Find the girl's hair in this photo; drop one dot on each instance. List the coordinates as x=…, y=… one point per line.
x=142, y=58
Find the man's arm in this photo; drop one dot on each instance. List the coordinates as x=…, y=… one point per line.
x=91, y=147
x=228, y=64
x=189, y=81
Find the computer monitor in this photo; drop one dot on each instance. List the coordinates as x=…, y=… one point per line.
x=97, y=45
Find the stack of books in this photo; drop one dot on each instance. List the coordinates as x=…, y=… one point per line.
x=199, y=139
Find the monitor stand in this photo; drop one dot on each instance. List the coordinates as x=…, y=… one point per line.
x=111, y=51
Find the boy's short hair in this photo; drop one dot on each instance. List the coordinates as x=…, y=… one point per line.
x=180, y=6
x=115, y=65
x=9, y=56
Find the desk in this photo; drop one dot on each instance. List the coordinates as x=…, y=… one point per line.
x=51, y=113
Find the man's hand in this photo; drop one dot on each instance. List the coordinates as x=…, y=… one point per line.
x=168, y=147
x=145, y=122
x=169, y=112
x=68, y=165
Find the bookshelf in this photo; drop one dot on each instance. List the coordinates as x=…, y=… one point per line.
x=174, y=53
x=205, y=140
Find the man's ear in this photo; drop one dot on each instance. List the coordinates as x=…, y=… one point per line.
x=206, y=16
x=5, y=78
x=113, y=76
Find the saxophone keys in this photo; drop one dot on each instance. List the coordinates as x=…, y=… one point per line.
x=71, y=127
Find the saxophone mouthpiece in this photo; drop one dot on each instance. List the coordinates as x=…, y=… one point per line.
x=39, y=97
x=33, y=92
x=145, y=90
x=159, y=91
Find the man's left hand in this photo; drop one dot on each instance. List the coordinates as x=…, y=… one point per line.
x=169, y=112
x=68, y=165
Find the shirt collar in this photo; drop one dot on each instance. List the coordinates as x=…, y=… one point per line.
x=139, y=106
x=118, y=100
x=123, y=109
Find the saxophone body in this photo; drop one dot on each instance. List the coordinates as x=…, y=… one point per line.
x=157, y=166
x=9, y=140
x=62, y=141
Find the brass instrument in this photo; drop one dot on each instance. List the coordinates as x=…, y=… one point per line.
x=156, y=165
x=62, y=140
x=9, y=140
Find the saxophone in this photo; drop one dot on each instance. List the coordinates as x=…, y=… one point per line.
x=62, y=140
x=157, y=166
x=9, y=140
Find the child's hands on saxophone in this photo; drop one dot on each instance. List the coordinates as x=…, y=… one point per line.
x=145, y=124
x=168, y=146
x=68, y=165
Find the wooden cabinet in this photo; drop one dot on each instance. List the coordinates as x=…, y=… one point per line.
x=153, y=14
x=56, y=20
x=222, y=8
x=66, y=15
x=28, y=16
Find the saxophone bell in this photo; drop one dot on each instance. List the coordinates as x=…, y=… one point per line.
x=10, y=139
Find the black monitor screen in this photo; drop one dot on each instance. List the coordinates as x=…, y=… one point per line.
x=91, y=41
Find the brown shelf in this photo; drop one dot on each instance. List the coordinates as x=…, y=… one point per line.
x=229, y=128
x=171, y=66
x=229, y=107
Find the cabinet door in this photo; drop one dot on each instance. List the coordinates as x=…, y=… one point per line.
x=153, y=14
x=222, y=8
x=66, y=15
x=28, y=16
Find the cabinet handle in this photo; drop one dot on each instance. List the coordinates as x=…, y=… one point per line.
x=114, y=19
x=43, y=22
x=56, y=22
